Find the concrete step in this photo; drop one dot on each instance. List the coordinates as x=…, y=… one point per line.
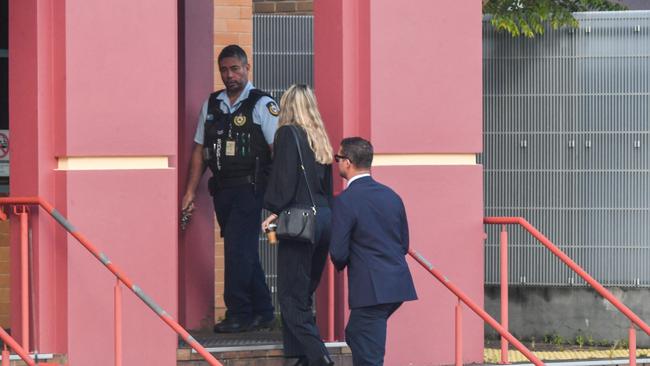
x=258, y=348
x=258, y=355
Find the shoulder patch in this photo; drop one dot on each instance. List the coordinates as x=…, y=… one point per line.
x=273, y=108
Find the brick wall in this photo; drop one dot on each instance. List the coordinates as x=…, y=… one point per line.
x=283, y=6
x=233, y=24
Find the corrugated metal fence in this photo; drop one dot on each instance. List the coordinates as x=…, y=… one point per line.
x=283, y=51
x=566, y=120
x=283, y=54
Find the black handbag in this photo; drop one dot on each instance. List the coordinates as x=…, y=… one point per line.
x=298, y=222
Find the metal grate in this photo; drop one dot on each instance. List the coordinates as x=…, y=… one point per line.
x=283, y=51
x=282, y=55
x=566, y=121
x=257, y=338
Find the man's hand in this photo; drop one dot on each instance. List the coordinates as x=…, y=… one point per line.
x=188, y=202
x=186, y=210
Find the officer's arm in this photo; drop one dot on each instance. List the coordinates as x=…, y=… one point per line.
x=266, y=114
x=197, y=168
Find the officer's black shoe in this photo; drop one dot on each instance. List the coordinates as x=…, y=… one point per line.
x=232, y=325
x=260, y=322
x=302, y=361
x=325, y=360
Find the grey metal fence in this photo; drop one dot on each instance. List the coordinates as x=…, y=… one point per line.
x=283, y=54
x=283, y=51
x=566, y=121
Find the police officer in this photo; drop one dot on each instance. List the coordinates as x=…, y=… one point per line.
x=233, y=137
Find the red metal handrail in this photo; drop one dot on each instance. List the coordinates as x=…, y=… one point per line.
x=472, y=305
x=111, y=267
x=580, y=272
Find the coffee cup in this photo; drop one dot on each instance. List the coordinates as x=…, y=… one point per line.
x=270, y=233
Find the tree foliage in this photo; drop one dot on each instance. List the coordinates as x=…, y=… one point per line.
x=528, y=17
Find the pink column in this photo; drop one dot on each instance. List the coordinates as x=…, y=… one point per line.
x=37, y=105
x=341, y=53
x=196, y=251
x=93, y=79
x=409, y=78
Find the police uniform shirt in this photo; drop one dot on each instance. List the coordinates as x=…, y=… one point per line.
x=265, y=113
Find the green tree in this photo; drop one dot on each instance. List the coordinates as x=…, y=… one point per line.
x=528, y=17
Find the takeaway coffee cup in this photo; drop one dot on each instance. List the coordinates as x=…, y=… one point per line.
x=270, y=233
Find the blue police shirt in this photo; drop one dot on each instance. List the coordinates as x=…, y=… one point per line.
x=261, y=114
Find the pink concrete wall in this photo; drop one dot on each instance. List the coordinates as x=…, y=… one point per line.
x=409, y=78
x=139, y=239
x=196, y=251
x=121, y=62
x=122, y=99
x=96, y=78
x=426, y=76
x=445, y=209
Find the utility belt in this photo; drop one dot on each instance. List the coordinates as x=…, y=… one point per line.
x=218, y=183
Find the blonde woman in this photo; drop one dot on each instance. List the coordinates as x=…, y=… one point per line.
x=300, y=264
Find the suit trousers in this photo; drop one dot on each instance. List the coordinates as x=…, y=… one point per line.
x=300, y=266
x=239, y=211
x=366, y=333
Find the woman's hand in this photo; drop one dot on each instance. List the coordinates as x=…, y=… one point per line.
x=270, y=219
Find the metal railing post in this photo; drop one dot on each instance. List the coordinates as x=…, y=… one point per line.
x=573, y=265
x=118, y=323
x=475, y=308
x=13, y=344
x=330, y=301
x=503, y=245
x=632, y=341
x=24, y=276
x=5, y=356
x=459, y=333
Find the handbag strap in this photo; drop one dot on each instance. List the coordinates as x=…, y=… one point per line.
x=302, y=166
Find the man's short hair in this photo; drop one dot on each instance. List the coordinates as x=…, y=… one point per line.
x=358, y=151
x=233, y=51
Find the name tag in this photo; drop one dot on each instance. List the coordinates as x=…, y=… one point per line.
x=230, y=148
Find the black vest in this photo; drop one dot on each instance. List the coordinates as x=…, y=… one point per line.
x=234, y=146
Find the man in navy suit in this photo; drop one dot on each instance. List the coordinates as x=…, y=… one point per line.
x=370, y=236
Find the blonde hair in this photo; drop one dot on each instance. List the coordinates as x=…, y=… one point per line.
x=298, y=107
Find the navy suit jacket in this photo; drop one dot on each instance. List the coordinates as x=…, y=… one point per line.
x=370, y=236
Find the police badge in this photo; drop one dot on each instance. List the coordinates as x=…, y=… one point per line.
x=273, y=108
x=240, y=120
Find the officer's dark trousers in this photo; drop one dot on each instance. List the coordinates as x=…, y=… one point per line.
x=300, y=265
x=239, y=212
x=366, y=333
